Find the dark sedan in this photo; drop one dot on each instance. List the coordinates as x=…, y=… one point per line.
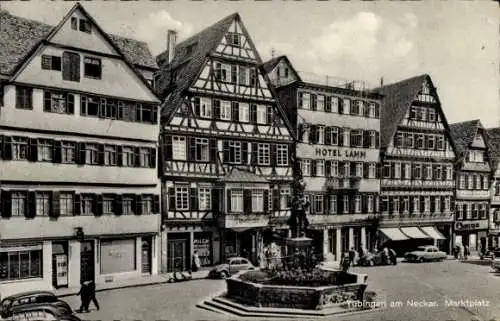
x=30, y=298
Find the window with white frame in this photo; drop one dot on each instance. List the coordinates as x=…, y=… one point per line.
x=284, y=198
x=407, y=171
x=86, y=202
x=471, y=182
x=427, y=204
x=420, y=141
x=44, y=150
x=449, y=172
x=346, y=105
x=308, y=201
x=384, y=205
x=306, y=167
x=281, y=155
x=264, y=154
x=202, y=149
x=68, y=152
x=397, y=170
x=428, y=172
x=416, y=204
x=345, y=204
x=182, y=197
x=406, y=205
x=205, y=107
x=179, y=148
x=128, y=157
x=66, y=204
x=370, y=204
x=373, y=139
x=357, y=138
x=333, y=204
x=461, y=181
x=225, y=110
x=409, y=141
x=334, y=169
x=485, y=182
x=318, y=203
x=335, y=104
x=437, y=204
x=244, y=76
x=204, y=198
x=21, y=263
x=357, y=204
x=320, y=168
x=236, y=200
x=19, y=148
x=483, y=211
x=447, y=204
x=334, y=136
x=395, y=204
x=359, y=169
x=431, y=142
x=244, y=112
x=305, y=100
x=475, y=211
x=257, y=201
x=235, y=152
x=360, y=107
x=42, y=204
x=321, y=134
x=305, y=133
x=127, y=205
x=91, y=154
x=347, y=137
x=372, y=169
x=467, y=209
x=347, y=169
x=147, y=204
x=110, y=155
x=261, y=114
x=320, y=104
x=107, y=205
x=478, y=182
x=399, y=141
x=459, y=212
x=371, y=111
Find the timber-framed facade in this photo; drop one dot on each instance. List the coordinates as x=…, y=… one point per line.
x=417, y=167
x=226, y=148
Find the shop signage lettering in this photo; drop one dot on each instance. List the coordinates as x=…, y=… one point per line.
x=471, y=225
x=333, y=152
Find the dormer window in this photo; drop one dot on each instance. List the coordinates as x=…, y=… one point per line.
x=81, y=24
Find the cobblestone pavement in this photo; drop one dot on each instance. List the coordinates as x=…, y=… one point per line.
x=430, y=285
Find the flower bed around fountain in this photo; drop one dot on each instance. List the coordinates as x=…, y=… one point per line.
x=313, y=289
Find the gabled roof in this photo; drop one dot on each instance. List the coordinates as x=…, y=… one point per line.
x=190, y=64
x=237, y=175
x=270, y=64
x=19, y=37
x=398, y=97
x=493, y=142
x=463, y=133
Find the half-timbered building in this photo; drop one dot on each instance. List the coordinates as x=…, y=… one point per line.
x=78, y=136
x=225, y=147
x=493, y=142
x=338, y=125
x=417, y=167
x=473, y=173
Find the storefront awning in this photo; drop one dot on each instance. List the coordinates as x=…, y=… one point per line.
x=394, y=234
x=414, y=233
x=433, y=232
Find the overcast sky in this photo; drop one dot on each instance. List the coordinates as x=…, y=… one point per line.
x=455, y=42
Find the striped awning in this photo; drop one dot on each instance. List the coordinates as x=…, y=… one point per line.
x=415, y=233
x=394, y=234
x=433, y=232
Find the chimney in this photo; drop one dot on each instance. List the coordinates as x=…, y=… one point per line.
x=171, y=42
x=381, y=81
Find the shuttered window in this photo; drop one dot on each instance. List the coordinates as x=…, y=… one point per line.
x=71, y=66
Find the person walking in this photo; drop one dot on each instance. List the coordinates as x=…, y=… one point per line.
x=352, y=256
x=393, y=257
x=346, y=262
x=84, y=297
x=91, y=292
x=466, y=252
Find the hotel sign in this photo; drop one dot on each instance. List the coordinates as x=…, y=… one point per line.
x=338, y=152
x=471, y=225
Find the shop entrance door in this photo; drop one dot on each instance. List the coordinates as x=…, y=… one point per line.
x=87, y=263
x=146, y=255
x=177, y=256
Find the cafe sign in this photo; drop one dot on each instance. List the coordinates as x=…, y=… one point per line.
x=471, y=225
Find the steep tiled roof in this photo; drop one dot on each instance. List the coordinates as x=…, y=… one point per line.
x=270, y=64
x=397, y=99
x=188, y=63
x=241, y=176
x=20, y=36
x=493, y=142
x=463, y=134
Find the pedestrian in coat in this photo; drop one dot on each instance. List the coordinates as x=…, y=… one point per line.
x=196, y=262
x=352, y=256
x=466, y=252
x=84, y=297
x=91, y=291
x=393, y=257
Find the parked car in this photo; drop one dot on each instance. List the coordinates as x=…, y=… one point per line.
x=489, y=254
x=371, y=259
x=30, y=298
x=425, y=253
x=42, y=311
x=231, y=266
x=495, y=262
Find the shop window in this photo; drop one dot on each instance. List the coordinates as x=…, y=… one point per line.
x=24, y=263
x=118, y=256
x=202, y=245
x=58, y=102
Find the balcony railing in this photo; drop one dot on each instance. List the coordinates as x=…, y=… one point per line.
x=332, y=81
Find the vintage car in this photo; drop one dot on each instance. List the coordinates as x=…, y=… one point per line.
x=232, y=266
x=425, y=253
x=41, y=311
x=30, y=298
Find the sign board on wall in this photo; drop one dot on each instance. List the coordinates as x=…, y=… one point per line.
x=62, y=269
x=471, y=225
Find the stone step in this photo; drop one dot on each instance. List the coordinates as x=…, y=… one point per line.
x=227, y=309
